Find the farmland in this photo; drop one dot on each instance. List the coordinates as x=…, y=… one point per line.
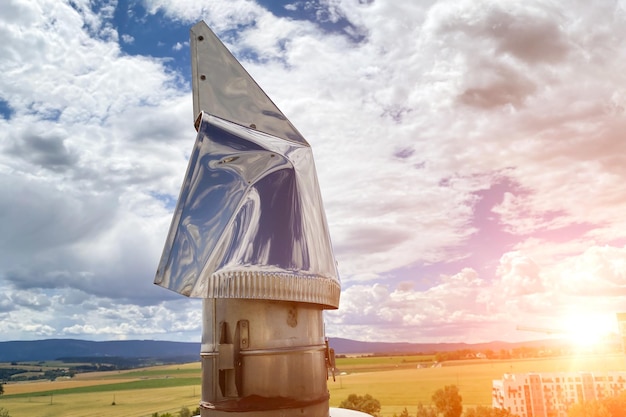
x=402, y=386
x=133, y=393
x=396, y=381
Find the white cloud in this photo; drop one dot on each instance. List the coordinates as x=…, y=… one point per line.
x=127, y=38
x=31, y=300
x=455, y=307
x=220, y=15
x=519, y=275
x=599, y=272
x=82, y=209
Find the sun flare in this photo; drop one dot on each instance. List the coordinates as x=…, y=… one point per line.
x=588, y=330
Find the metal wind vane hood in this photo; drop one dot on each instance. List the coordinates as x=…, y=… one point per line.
x=249, y=222
x=249, y=236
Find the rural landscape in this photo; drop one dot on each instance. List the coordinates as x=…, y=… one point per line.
x=256, y=175
x=400, y=382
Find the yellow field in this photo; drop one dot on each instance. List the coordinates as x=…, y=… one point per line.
x=396, y=389
x=397, y=386
x=136, y=403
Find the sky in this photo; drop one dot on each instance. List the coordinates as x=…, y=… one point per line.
x=471, y=156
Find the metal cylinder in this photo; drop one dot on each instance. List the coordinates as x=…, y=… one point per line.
x=263, y=358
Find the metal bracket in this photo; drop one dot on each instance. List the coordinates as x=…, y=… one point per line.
x=226, y=361
x=229, y=360
x=244, y=334
x=329, y=356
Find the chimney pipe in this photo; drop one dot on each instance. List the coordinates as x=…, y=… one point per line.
x=249, y=236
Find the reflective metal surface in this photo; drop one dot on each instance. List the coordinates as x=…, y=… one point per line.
x=264, y=355
x=342, y=412
x=250, y=236
x=249, y=221
x=223, y=88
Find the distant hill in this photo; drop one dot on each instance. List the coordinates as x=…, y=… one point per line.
x=343, y=346
x=51, y=349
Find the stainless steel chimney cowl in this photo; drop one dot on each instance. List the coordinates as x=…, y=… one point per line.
x=249, y=235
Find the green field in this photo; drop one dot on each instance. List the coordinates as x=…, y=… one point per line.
x=116, y=387
x=396, y=381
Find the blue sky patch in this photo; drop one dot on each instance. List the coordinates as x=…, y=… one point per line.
x=330, y=21
x=5, y=109
x=169, y=202
x=153, y=35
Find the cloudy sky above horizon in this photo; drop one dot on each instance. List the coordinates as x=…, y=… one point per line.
x=471, y=157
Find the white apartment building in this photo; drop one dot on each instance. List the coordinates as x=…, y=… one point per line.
x=551, y=394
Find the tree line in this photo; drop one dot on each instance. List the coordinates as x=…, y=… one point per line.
x=521, y=352
x=447, y=402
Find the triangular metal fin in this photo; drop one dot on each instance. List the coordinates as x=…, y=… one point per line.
x=223, y=88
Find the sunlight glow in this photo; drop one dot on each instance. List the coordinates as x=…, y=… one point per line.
x=587, y=331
